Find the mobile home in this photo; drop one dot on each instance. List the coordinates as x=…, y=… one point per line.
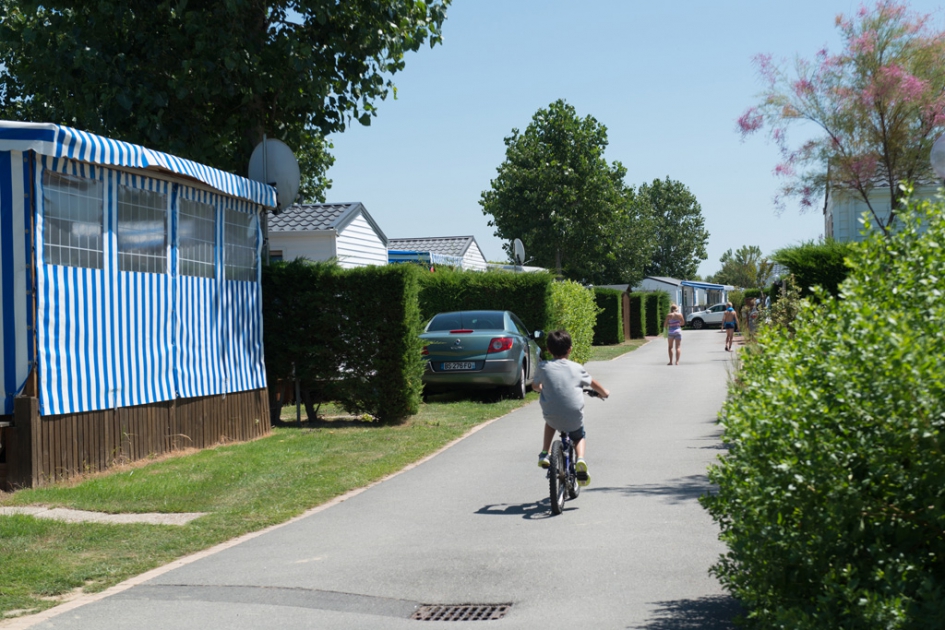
x=131, y=301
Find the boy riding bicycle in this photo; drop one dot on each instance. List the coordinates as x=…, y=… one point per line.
x=561, y=383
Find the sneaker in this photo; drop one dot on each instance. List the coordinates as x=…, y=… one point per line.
x=543, y=460
x=581, y=469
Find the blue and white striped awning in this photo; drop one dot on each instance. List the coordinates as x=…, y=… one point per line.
x=65, y=142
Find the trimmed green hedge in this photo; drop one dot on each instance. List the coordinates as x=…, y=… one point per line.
x=663, y=303
x=609, y=327
x=525, y=294
x=538, y=300
x=652, y=315
x=573, y=308
x=831, y=498
x=637, y=316
x=353, y=334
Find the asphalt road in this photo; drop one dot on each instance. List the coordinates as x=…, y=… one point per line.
x=472, y=525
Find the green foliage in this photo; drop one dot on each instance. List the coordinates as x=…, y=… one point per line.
x=786, y=306
x=737, y=298
x=525, y=294
x=831, y=498
x=573, y=308
x=817, y=264
x=609, y=327
x=571, y=209
x=652, y=316
x=326, y=321
x=206, y=80
x=637, y=315
x=679, y=227
x=746, y=267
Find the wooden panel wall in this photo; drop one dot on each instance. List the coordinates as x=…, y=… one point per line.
x=70, y=444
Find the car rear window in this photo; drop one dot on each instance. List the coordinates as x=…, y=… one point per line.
x=467, y=320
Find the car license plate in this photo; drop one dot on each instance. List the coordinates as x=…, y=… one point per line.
x=459, y=365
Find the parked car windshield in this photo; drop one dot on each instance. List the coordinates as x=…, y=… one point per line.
x=467, y=320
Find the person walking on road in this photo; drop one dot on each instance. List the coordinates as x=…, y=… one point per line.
x=728, y=325
x=673, y=324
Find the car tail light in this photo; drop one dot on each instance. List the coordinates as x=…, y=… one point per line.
x=460, y=331
x=426, y=350
x=500, y=344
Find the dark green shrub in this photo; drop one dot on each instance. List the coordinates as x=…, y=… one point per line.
x=652, y=315
x=353, y=335
x=637, y=316
x=816, y=264
x=609, y=327
x=831, y=498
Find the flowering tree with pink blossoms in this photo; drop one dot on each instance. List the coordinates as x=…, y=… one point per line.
x=880, y=104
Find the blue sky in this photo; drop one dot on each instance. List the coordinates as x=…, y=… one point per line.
x=667, y=79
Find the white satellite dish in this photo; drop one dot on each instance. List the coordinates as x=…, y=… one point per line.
x=519, y=250
x=273, y=163
x=938, y=157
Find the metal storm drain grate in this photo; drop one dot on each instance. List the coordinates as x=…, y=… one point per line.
x=461, y=612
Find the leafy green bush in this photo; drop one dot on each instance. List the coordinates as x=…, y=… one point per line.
x=831, y=499
x=816, y=264
x=574, y=309
x=326, y=321
x=637, y=316
x=609, y=327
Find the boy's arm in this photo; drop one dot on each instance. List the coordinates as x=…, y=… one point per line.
x=600, y=389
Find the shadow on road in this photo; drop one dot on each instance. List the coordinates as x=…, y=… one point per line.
x=706, y=613
x=684, y=489
x=528, y=511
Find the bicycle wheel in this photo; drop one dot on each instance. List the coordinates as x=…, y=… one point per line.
x=574, y=488
x=557, y=479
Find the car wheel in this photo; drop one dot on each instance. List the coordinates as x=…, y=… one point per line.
x=517, y=391
x=697, y=324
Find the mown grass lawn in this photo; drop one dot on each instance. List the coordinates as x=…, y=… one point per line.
x=242, y=488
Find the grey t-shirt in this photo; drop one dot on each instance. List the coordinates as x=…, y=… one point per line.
x=562, y=393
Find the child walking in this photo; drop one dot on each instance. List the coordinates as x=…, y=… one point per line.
x=561, y=383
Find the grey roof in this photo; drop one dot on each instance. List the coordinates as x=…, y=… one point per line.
x=448, y=245
x=312, y=217
x=664, y=280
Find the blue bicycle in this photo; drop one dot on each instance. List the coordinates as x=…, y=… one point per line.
x=562, y=476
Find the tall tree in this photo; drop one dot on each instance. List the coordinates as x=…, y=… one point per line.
x=571, y=209
x=880, y=104
x=205, y=80
x=680, y=232
x=746, y=268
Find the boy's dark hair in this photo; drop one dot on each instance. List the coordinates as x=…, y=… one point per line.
x=559, y=342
